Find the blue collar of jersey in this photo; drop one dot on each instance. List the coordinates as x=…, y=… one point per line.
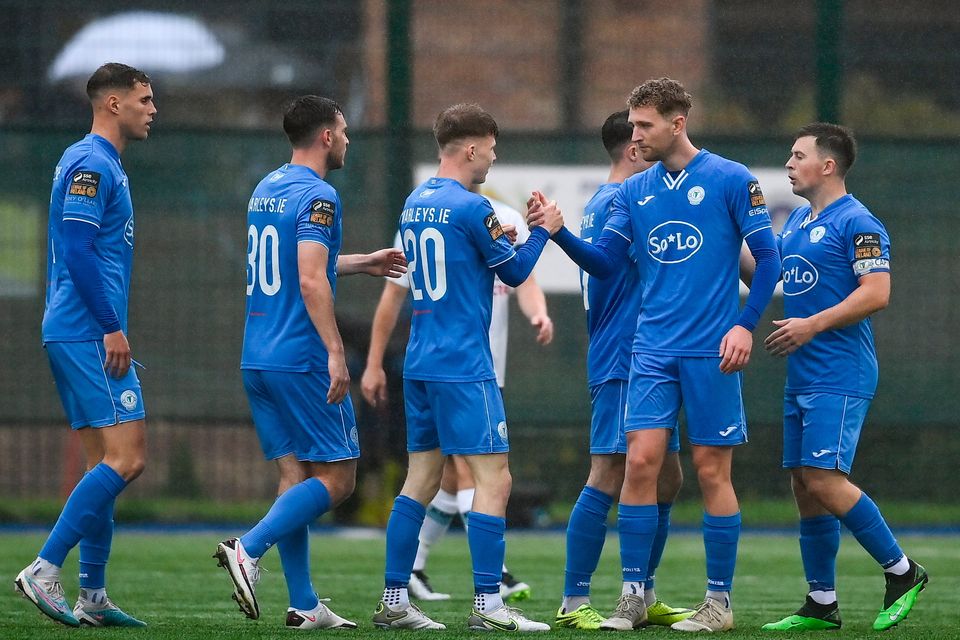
x=839, y=203
x=300, y=167
x=105, y=144
x=697, y=159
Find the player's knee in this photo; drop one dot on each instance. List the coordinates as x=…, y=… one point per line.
x=818, y=485
x=641, y=466
x=129, y=468
x=606, y=474
x=713, y=475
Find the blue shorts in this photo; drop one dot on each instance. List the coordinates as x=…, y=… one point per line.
x=607, y=436
x=91, y=397
x=291, y=414
x=461, y=418
x=659, y=385
x=822, y=430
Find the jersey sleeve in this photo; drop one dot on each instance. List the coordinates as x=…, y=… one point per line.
x=868, y=246
x=403, y=280
x=618, y=220
x=317, y=218
x=747, y=205
x=88, y=191
x=486, y=234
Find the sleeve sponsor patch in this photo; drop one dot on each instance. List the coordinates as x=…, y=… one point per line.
x=756, y=195
x=866, y=245
x=492, y=224
x=84, y=183
x=322, y=212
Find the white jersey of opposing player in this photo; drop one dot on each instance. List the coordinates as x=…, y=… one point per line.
x=501, y=292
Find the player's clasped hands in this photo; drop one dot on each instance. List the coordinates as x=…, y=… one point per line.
x=543, y=212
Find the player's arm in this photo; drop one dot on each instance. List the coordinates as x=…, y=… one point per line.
x=871, y=295
x=373, y=384
x=312, y=258
x=533, y=304
x=83, y=209
x=385, y=262
x=737, y=344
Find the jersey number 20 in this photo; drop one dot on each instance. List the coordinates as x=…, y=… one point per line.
x=436, y=282
x=263, y=247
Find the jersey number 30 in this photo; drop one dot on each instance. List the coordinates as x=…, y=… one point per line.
x=263, y=259
x=436, y=282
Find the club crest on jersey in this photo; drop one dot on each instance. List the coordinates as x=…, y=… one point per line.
x=502, y=430
x=492, y=224
x=85, y=183
x=799, y=275
x=322, y=212
x=673, y=241
x=695, y=195
x=354, y=436
x=817, y=233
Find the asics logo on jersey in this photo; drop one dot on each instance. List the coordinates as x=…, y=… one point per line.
x=799, y=275
x=673, y=241
x=728, y=430
x=822, y=452
x=645, y=200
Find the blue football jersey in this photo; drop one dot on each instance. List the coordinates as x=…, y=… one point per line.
x=89, y=185
x=612, y=304
x=290, y=205
x=688, y=228
x=823, y=261
x=453, y=240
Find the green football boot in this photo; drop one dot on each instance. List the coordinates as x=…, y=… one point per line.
x=584, y=617
x=812, y=616
x=901, y=595
x=662, y=614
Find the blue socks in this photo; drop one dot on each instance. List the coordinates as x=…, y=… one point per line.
x=403, y=537
x=819, y=544
x=638, y=528
x=720, y=537
x=295, y=557
x=659, y=542
x=299, y=505
x=83, y=513
x=95, y=551
x=487, y=548
x=871, y=531
x=586, y=532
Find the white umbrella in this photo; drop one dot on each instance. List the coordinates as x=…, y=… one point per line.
x=148, y=40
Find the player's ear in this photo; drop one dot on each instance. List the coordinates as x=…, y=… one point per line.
x=677, y=123
x=829, y=167
x=471, y=151
x=633, y=152
x=112, y=103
